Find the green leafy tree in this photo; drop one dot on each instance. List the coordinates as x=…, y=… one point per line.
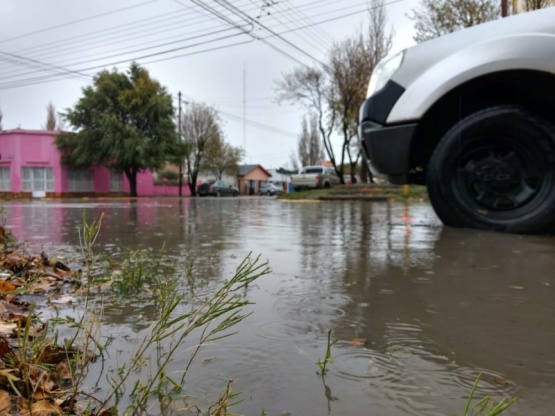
x=435, y=18
x=123, y=121
x=200, y=128
x=221, y=157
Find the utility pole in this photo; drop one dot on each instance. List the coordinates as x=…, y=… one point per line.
x=244, y=110
x=504, y=8
x=179, y=132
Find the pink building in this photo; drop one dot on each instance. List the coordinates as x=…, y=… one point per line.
x=30, y=166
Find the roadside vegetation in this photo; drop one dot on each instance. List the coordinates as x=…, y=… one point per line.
x=360, y=192
x=44, y=364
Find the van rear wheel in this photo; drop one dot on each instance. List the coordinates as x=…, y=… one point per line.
x=495, y=170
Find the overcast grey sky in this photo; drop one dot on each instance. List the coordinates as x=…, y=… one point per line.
x=224, y=53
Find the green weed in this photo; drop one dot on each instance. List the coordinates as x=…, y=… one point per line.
x=327, y=358
x=486, y=406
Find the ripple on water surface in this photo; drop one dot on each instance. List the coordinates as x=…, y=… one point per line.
x=311, y=303
x=362, y=363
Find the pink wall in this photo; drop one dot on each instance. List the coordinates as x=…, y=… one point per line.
x=171, y=190
x=35, y=148
x=19, y=148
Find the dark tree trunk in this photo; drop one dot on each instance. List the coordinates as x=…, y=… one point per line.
x=132, y=178
x=365, y=172
x=193, y=184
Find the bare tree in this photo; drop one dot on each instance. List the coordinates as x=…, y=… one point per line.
x=438, y=17
x=61, y=122
x=316, y=149
x=379, y=40
x=309, y=147
x=200, y=127
x=530, y=5
x=350, y=65
x=50, y=117
x=220, y=157
x=1, y=116
x=335, y=91
x=312, y=88
x=303, y=144
x=293, y=161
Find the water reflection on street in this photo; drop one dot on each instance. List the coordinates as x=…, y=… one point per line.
x=435, y=306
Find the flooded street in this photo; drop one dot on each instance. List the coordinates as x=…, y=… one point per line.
x=419, y=310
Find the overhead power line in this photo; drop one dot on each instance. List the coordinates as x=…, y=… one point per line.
x=171, y=52
x=77, y=21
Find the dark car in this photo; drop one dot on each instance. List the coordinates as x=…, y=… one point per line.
x=217, y=188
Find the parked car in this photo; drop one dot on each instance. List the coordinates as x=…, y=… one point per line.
x=270, y=189
x=471, y=115
x=217, y=188
x=314, y=177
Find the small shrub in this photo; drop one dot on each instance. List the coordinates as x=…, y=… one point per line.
x=169, y=175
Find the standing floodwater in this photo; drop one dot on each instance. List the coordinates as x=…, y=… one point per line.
x=419, y=309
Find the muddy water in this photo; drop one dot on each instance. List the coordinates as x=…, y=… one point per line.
x=432, y=306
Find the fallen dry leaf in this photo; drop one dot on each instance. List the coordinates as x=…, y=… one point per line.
x=500, y=381
x=62, y=300
x=16, y=262
x=62, y=371
x=42, y=408
x=33, y=332
x=7, y=329
x=517, y=287
x=358, y=342
x=5, y=403
x=8, y=309
x=6, y=286
x=53, y=355
x=43, y=286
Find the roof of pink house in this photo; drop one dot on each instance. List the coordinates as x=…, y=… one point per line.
x=25, y=131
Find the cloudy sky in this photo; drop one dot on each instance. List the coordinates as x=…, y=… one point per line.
x=227, y=53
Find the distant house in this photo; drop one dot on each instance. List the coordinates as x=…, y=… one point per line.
x=30, y=165
x=250, y=177
x=280, y=178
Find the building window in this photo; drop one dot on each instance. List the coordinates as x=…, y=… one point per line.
x=38, y=179
x=116, y=181
x=5, y=179
x=80, y=180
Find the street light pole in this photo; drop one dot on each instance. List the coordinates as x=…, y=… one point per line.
x=179, y=131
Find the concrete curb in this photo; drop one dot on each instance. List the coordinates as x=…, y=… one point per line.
x=353, y=197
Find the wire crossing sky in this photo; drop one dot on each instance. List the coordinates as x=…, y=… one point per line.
x=227, y=53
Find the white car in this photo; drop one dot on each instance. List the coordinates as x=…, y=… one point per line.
x=472, y=115
x=310, y=177
x=270, y=189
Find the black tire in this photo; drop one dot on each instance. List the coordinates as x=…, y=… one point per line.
x=495, y=170
x=218, y=194
x=269, y=193
x=327, y=185
x=235, y=193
